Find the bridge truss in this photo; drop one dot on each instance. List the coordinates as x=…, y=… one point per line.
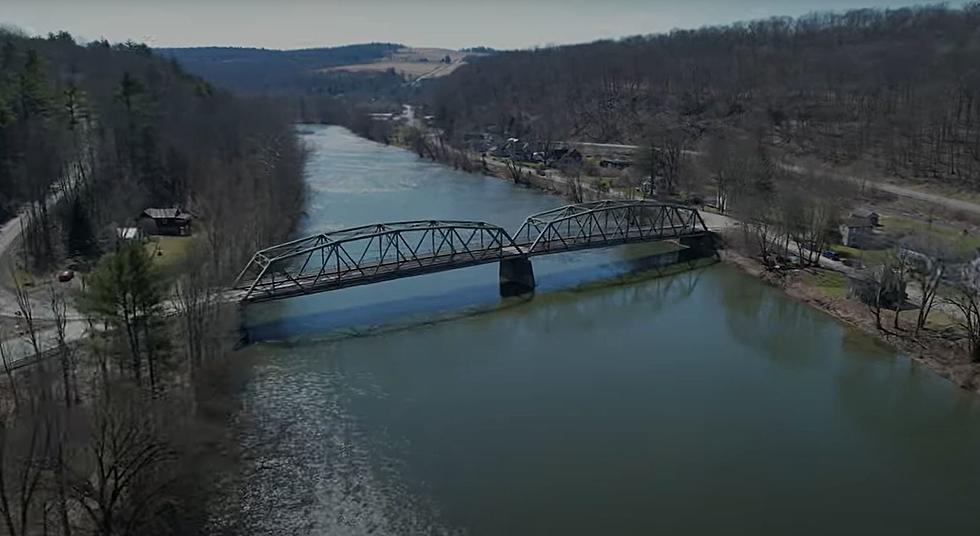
x=606, y=223
x=370, y=254
x=381, y=252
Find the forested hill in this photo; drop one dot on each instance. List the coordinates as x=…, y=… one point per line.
x=116, y=129
x=263, y=70
x=899, y=87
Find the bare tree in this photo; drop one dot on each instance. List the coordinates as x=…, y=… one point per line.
x=660, y=154
x=9, y=372
x=23, y=444
x=120, y=477
x=925, y=259
x=729, y=163
x=576, y=192
x=41, y=382
x=26, y=309
x=966, y=298
x=881, y=287
x=811, y=211
x=59, y=313
x=900, y=268
x=198, y=299
x=515, y=171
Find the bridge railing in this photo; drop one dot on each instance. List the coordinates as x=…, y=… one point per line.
x=608, y=222
x=371, y=253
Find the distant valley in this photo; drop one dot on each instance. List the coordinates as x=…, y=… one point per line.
x=265, y=70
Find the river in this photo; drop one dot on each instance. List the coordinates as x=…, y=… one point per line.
x=609, y=403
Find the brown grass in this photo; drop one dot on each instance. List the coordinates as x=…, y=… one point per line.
x=412, y=63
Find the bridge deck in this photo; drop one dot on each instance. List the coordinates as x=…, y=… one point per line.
x=287, y=287
x=366, y=275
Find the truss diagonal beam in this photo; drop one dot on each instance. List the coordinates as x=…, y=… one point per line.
x=381, y=252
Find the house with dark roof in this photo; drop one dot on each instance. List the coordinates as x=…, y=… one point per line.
x=166, y=221
x=858, y=231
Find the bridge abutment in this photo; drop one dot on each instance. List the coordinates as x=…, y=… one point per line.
x=516, y=276
x=698, y=247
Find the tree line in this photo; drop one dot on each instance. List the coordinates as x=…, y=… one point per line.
x=125, y=431
x=253, y=70
x=116, y=129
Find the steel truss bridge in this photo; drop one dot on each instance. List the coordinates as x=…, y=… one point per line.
x=386, y=251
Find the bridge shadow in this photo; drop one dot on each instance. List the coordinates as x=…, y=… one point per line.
x=367, y=317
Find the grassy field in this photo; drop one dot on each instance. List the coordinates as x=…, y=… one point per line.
x=169, y=251
x=897, y=227
x=962, y=242
x=833, y=284
x=871, y=257
x=413, y=63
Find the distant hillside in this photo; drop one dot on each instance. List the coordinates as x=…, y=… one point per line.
x=415, y=63
x=896, y=88
x=264, y=70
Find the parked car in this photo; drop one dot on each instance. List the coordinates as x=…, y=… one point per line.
x=832, y=255
x=66, y=276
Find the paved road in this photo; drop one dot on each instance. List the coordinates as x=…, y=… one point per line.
x=894, y=189
x=904, y=191
x=19, y=348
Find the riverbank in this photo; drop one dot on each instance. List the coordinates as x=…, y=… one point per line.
x=661, y=391
x=931, y=348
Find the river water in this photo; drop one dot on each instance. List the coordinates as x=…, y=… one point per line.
x=609, y=403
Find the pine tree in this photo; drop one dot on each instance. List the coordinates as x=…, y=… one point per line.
x=126, y=290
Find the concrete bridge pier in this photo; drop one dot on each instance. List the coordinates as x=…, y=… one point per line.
x=698, y=247
x=516, y=276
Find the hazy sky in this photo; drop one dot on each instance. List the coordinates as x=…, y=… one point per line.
x=443, y=23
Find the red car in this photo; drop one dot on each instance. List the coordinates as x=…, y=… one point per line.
x=66, y=276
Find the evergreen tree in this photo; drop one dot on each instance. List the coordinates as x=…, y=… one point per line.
x=126, y=290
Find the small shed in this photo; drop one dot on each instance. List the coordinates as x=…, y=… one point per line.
x=167, y=221
x=129, y=233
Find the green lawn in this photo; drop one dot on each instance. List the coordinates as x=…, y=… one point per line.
x=871, y=257
x=831, y=283
x=169, y=251
x=962, y=243
x=939, y=320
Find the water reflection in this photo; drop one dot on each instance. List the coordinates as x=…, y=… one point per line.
x=699, y=403
x=776, y=328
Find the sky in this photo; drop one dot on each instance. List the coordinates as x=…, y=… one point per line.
x=505, y=24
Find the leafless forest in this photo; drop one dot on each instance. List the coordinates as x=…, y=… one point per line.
x=898, y=88
x=113, y=434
